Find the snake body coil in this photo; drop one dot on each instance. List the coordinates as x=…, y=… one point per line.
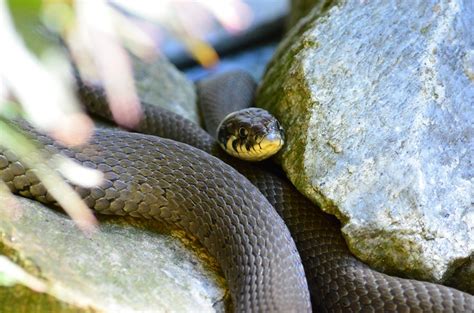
x=338, y=281
x=162, y=179
x=152, y=177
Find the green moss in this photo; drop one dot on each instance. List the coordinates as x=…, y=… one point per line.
x=18, y=298
x=301, y=8
x=284, y=91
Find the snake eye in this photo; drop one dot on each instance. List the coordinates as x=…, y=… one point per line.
x=243, y=132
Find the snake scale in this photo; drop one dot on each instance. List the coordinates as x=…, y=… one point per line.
x=152, y=177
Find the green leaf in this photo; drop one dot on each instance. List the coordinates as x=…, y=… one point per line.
x=26, y=17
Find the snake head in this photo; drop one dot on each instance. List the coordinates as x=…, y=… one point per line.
x=250, y=134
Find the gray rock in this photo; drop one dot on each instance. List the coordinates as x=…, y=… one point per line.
x=159, y=82
x=377, y=100
x=126, y=267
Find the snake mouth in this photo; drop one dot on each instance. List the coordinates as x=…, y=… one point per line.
x=258, y=150
x=270, y=145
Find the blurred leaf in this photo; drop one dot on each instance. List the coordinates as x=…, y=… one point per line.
x=26, y=18
x=202, y=52
x=6, y=279
x=32, y=157
x=35, y=19
x=11, y=274
x=10, y=109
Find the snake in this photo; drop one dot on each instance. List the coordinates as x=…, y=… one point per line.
x=250, y=134
x=278, y=251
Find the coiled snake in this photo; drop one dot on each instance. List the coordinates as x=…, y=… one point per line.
x=158, y=178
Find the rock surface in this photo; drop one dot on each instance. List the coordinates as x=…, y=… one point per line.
x=160, y=83
x=376, y=98
x=125, y=267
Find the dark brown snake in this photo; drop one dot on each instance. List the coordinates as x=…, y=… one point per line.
x=152, y=177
